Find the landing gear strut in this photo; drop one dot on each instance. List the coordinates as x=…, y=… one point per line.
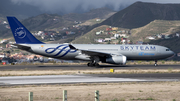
x=155, y=63
x=94, y=62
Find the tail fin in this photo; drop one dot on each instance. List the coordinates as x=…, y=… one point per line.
x=21, y=34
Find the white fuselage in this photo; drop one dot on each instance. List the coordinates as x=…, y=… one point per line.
x=132, y=52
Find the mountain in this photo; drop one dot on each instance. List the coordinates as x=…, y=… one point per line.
x=24, y=10
x=55, y=21
x=89, y=38
x=44, y=21
x=164, y=27
x=102, y=13
x=154, y=28
x=48, y=21
x=40, y=22
x=141, y=13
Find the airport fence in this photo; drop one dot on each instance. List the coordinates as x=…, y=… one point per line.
x=65, y=95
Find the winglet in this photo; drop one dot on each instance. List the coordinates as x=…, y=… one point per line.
x=20, y=33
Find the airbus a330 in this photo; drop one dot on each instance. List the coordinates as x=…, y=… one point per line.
x=94, y=53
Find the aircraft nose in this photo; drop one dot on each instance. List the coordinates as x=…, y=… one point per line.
x=172, y=53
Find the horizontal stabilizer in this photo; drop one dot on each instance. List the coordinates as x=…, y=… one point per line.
x=22, y=47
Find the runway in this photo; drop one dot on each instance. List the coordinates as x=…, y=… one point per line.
x=86, y=78
x=84, y=67
x=97, y=78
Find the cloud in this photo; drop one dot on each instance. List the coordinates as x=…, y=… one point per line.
x=70, y=6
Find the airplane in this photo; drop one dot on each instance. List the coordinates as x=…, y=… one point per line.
x=94, y=53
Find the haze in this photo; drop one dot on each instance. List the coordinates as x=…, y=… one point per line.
x=80, y=6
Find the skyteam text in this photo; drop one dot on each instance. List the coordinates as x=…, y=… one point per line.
x=142, y=48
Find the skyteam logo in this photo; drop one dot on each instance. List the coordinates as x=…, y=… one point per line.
x=60, y=51
x=20, y=32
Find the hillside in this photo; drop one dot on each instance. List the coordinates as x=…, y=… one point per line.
x=40, y=22
x=141, y=13
x=99, y=33
x=137, y=34
x=102, y=13
x=154, y=28
x=172, y=43
x=45, y=21
x=89, y=37
x=24, y=9
x=54, y=21
x=91, y=22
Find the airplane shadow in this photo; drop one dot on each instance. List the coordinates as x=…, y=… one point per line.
x=106, y=66
x=81, y=66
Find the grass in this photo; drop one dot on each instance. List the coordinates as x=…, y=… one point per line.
x=140, y=91
x=26, y=72
x=163, y=61
x=170, y=69
x=160, y=62
x=143, y=99
x=85, y=92
x=57, y=98
x=115, y=99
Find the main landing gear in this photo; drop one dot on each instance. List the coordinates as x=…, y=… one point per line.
x=93, y=64
x=155, y=64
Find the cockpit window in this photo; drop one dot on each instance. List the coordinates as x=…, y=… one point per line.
x=167, y=49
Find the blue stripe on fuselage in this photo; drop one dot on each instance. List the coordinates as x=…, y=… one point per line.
x=60, y=50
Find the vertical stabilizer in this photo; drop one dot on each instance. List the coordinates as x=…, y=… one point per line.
x=20, y=33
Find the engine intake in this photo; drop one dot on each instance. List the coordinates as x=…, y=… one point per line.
x=116, y=60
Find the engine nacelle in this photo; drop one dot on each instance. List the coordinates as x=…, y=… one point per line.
x=116, y=60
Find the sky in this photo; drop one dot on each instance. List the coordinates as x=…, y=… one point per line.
x=74, y=6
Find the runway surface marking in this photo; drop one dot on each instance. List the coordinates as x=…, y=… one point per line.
x=62, y=79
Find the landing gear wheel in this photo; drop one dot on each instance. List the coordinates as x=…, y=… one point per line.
x=93, y=65
x=96, y=64
x=89, y=64
x=155, y=63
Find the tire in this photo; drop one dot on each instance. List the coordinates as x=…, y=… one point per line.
x=88, y=64
x=96, y=65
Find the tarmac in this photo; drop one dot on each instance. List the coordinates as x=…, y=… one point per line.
x=90, y=78
x=86, y=78
x=85, y=67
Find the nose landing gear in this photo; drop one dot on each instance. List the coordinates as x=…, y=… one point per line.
x=155, y=64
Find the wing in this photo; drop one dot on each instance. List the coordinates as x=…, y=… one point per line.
x=91, y=52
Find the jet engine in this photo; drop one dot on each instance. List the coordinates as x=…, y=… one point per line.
x=118, y=59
